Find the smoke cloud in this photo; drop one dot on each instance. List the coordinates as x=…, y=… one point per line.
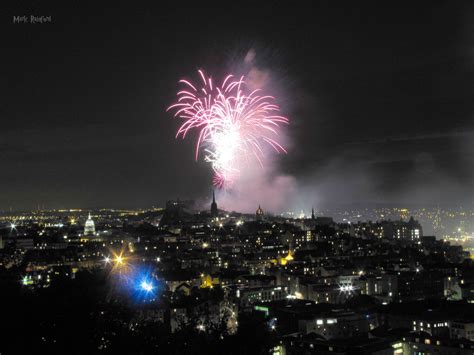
x=264, y=184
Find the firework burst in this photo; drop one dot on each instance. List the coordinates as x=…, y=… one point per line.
x=233, y=124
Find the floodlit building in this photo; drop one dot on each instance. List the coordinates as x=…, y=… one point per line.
x=89, y=227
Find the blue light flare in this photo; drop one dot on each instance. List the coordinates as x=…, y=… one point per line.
x=142, y=284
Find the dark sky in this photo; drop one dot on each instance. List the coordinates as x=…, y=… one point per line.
x=380, y=100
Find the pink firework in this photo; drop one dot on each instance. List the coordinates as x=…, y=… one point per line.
x=233, y=124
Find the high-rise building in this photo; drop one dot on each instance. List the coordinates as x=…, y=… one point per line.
x=89, y=227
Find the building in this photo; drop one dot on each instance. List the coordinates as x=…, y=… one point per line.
x=336, y=324
x=327, y=293
x=324, y=221
x=259, y=214
x=214, y=210
x=452, y=289
x=24, y=243
x=177, y=212
x=461, y=330
x=89, y=227
x=249, y=296
x=402, y=230
x=423, y=343
x=435, y=325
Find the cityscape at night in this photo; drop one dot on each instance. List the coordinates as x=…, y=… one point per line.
x=282, y=179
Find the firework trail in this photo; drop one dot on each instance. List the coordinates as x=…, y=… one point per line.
x=233, y=124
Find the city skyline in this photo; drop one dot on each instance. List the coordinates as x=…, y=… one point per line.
x=166, y=279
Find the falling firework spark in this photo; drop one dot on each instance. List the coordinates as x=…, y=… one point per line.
x=233, y=123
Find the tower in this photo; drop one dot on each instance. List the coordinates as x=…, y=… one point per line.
x=214, y=210
x=259, y=213
x=312, y=213
x=89, y=227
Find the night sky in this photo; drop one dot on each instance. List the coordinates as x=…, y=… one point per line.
x=380, y=100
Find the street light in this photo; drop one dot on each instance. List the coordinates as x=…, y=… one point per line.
x=146, y=286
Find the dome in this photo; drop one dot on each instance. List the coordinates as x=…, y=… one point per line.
x=89, y=227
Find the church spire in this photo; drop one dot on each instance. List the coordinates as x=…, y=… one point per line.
x=214, y=210
x=259, y=213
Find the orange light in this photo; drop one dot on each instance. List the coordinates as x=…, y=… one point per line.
x=119, y=260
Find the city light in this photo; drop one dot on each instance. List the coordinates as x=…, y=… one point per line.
x=272, y=323
x=119, y=259
x=346, y=288
x=147, y=286
x=139, y=282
